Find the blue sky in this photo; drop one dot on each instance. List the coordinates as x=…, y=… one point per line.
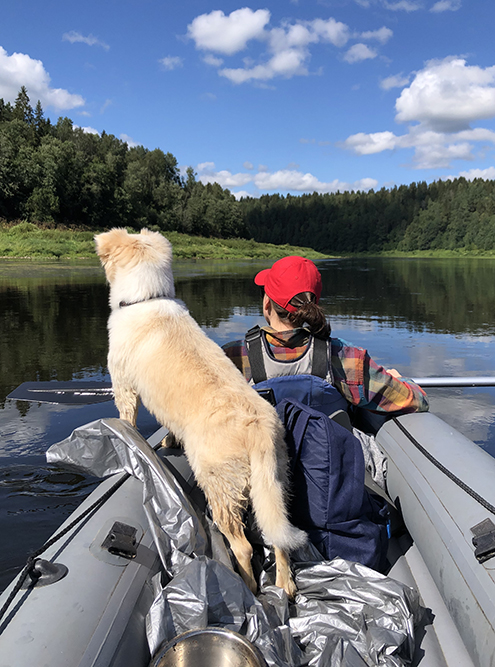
x=278, y=96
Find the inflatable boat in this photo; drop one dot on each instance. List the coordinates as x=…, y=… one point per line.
x=110, y=590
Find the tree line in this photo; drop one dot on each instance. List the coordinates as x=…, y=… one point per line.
x=58, y=174
x=450, y=215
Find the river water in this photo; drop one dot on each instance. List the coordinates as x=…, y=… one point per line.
x=425, y=317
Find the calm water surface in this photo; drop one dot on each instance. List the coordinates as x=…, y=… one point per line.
x=425, y=317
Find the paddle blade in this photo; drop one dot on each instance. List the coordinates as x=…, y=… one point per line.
x=72, y=392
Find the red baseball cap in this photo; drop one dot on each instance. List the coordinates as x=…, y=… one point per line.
x=290, y=276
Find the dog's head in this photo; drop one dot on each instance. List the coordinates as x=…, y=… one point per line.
x=119, y=249
x=144, y=259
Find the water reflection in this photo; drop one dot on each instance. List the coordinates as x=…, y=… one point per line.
x=424, y=317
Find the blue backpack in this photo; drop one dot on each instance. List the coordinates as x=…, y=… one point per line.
x=329, y=500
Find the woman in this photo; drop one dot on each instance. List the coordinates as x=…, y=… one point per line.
x=292, y=290
x=296, y=358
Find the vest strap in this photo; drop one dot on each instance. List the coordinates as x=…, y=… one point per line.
x=320, y=362
x=320, y=366
x=255, y=354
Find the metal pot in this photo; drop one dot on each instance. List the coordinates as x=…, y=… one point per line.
x=208, y=647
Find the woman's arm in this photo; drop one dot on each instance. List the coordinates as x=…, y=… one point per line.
x=366, y=384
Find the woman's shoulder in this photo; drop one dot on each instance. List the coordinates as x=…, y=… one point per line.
x=339, y=347
x=233, y=345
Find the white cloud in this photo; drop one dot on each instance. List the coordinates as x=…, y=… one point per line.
x=295, y=36
x=171, y=62
x=248, y=165
x=283, y=180
x=205, y=166
x=129, y=140
x=207, y=174
x=228, y=34
x=439, y=106
x=107, y=103
x=382, y=35
x=241, y=193
x=287, y=45
x=20, y=70
x=212, y=60
x=394, y=81
x=287, y=179
x=438, y=153
x=89, y=130
x=487, y=174
x=90, y=40
x=332, y=31
x=446, y=6
x=448, y=94
x=367, y=144
x=403, y=5
x=432, y=150
x=359, y=52
x=285, y=63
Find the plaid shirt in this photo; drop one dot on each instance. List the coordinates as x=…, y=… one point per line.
x=358, y=378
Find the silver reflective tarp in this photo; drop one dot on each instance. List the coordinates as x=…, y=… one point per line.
x=344, y=614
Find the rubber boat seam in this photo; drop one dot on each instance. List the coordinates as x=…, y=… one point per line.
x=32, y=558
x=482, y=501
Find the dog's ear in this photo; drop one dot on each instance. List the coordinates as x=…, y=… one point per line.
x=107, y=242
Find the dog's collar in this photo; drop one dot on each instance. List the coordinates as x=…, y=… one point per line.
x=122, y=304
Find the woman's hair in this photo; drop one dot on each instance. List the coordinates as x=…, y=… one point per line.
x=308, y=312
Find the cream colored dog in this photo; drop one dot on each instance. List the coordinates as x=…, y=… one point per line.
x=232, y=437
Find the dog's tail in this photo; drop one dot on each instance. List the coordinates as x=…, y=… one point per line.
x=268, y=495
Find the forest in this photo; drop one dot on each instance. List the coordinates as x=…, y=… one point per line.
x=58, y=175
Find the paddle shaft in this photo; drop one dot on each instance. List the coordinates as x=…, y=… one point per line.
x=86, y=392
x=475, y=381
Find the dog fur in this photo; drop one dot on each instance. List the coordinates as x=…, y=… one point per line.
x=232, y=437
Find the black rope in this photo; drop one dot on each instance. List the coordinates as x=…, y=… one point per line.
x=32, y=558
x=488, y=506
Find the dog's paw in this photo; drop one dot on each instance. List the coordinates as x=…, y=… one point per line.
x=171, y=442
x=288, y=584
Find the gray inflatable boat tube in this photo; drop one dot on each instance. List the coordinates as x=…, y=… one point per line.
x=442, y=513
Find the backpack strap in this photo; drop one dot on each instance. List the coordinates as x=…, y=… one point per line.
x=255, y=354
x=295, y=419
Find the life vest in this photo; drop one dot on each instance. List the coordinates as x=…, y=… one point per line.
x=308, y=379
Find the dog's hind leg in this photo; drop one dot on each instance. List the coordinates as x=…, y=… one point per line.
x=284, y=575
x=225, y=487
x=242, y=550
x=127, y=402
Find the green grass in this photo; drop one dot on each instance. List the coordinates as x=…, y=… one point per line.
x=27, y=240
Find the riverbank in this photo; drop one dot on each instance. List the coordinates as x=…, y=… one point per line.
x=28, y=241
